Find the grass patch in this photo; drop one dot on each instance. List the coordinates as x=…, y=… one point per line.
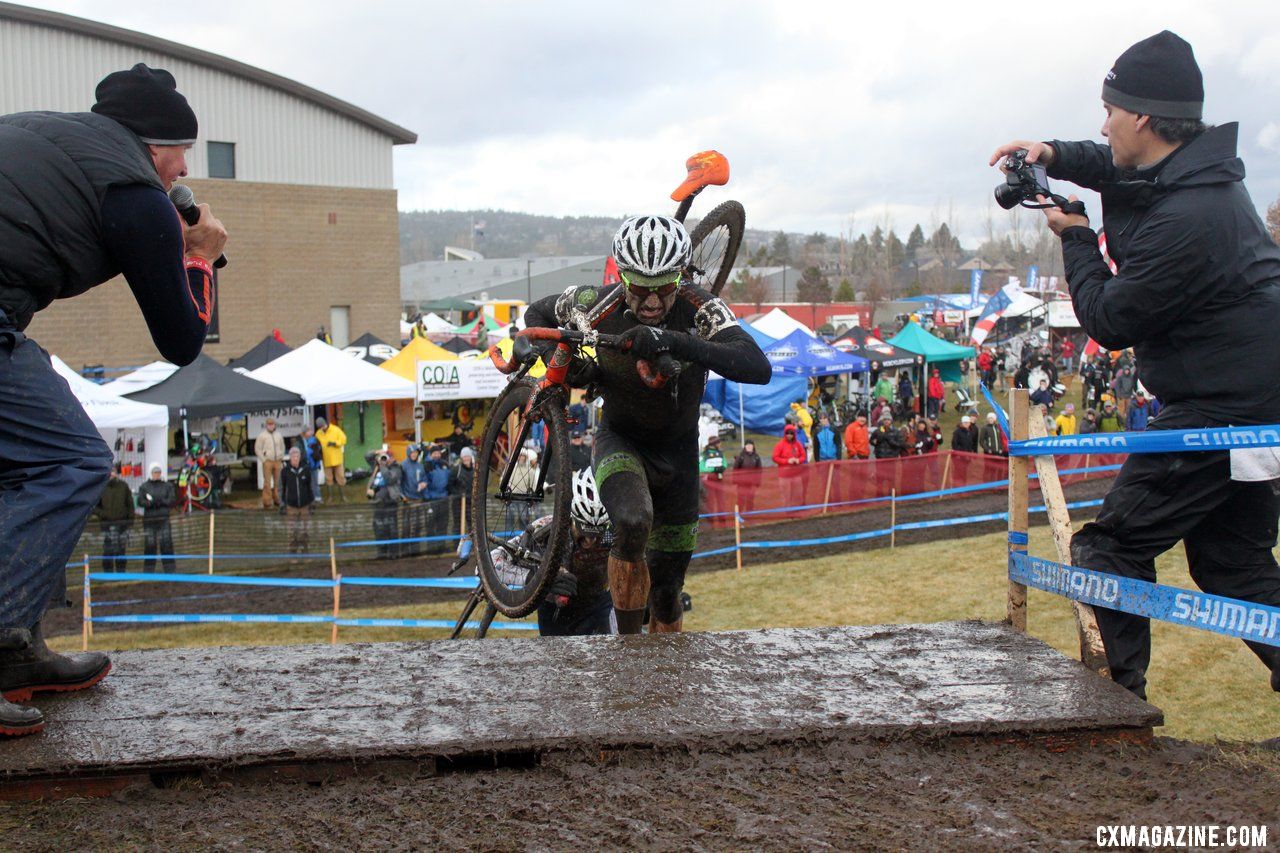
x=1209, y=686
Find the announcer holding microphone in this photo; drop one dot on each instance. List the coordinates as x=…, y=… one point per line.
x=83, y=198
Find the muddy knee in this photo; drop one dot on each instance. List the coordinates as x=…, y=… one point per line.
x=631, y=529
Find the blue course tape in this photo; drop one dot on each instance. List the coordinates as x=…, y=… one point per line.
x=1002, y=417
x=1152, y=441
x=234, y=580
x=212, y=617
x=432, y=623
x=364, y=543
x=137, y=557
x=1018, y=537
x=433, y=583
x=1218, y=614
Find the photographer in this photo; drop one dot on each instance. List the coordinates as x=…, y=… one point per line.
x=1198, y=278
x=84, y=200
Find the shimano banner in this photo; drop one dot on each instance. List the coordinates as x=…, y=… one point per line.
x=1152, y=441
x=1232, y=617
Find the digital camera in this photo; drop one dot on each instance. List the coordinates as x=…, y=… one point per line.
x=1023, y=181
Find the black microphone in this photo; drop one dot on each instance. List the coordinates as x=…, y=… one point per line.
x=185, y=201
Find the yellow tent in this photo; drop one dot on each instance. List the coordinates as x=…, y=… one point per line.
x=418, y=349
x=504, y=346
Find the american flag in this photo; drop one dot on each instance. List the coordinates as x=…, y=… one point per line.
x=1092, y=346
x=991, y=313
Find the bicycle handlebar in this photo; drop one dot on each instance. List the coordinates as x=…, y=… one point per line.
x=652, y=376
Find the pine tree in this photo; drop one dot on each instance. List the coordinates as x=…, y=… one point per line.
x=845, y=293
x=915, y=242
x=814, y=286
x=780, y=249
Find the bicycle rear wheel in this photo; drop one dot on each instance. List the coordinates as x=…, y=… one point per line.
x=199, y=485
x=505, y=500
x=715, y=245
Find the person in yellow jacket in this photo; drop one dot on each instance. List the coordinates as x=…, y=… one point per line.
x=1066, y=421
x=803, y=419
x=333, y=444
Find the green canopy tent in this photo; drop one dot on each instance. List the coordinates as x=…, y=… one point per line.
x=946, y=355
x=448, y=304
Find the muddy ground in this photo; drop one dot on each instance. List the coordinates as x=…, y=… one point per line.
x=168, y=598
x=946, y=794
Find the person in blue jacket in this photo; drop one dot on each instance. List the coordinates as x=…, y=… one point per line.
x=413, y=486
x=437, y=492
x=826, y=441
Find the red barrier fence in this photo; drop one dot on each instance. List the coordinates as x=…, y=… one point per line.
x=847, y=485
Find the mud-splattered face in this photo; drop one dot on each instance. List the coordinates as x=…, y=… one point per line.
x=650, y=297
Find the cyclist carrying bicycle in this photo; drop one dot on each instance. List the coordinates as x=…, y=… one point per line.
x=646, y=452
x=578, y=602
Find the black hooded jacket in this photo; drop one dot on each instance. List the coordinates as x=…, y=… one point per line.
x=1197, y=294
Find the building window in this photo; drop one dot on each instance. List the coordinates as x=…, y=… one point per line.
x=340, y=325
x=222, y=159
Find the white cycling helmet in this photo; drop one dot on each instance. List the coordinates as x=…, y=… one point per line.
x=652, y=245
x=585, y=506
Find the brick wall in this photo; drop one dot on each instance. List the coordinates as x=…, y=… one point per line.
x=294, y=251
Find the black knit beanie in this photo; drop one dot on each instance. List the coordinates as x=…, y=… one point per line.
x=146, y=100
x=1159, y=77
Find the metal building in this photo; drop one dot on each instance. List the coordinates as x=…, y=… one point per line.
x=283, y=166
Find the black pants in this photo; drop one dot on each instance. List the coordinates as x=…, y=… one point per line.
x=157, y=539
x=1228, y=529
x=386, y=528
x=115, y=543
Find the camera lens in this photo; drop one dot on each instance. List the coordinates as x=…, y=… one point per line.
x=1008, y=196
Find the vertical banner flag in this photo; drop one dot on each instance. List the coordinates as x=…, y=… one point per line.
x=1033, y=277
x=991, y=312
x=1091, y=346
x=975, y=288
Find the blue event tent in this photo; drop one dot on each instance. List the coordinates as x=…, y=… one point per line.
x=799, y=354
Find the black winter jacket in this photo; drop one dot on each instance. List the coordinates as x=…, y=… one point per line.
x=1197, y=294
x=295, y=485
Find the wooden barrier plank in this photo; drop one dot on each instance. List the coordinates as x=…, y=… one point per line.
x=1016, y=602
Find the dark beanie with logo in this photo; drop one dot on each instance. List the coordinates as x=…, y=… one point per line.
x=147, y=101
x=1159, y=77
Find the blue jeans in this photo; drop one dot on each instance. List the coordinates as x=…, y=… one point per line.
x=53, y=467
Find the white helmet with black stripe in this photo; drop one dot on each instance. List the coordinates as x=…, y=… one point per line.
x=586, y=507
x=652, y=245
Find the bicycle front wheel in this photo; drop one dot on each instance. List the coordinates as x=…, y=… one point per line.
x=715, y=245
x=199, y=485
x=509, y=493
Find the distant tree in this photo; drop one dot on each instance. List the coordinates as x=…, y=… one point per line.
x=895, y=252
x=760, y=257
x=877, y=240
x=738, y=286
x=780, y=249
x=844, y=293
x=915, y=242
x=756, y=290
x=1273, y=221
x=814, y=286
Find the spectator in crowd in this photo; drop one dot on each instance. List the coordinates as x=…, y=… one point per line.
x=333, y=442
x=1042, y=396
x=115, y=513
x=857, y=442
x=747, y=461
x=413, y=488
x=461, y=479
x=789, y=455
x=802, y=435
x=906, y=393
x=313, y=455
x=803, y=419
x=384, y=491
x=937, y=394
x=922, y=441
x=711, y=460
x=965, y=436
x=886, y=441
x=990, y=439
x=456, y=440
x=880, y=409
x=884, y=389
x=1123, y=386
x=1139, y=414
x=157, y=497
x=1089, y=423
x=524, y=478
x=579, y=453
x=296, y=494
x=986, y=368
x=269, y=448
x=1068, y=354
x=437, y=493
x=935, y=429
x=826, y=441
x=1109, y=420
x=1065, y=423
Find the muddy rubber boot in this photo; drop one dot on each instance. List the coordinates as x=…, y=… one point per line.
x=16, y=721
x=33, y=667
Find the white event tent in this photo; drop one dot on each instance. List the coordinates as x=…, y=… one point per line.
x=141, y=379
x=111, y=413
x=324, y=374
x=777, y=324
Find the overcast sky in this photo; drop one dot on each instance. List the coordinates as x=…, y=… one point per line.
x=830, y=114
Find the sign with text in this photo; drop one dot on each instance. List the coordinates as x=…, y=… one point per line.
x=288, y=421
x=458, y=380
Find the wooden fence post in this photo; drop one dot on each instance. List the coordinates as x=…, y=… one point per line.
x=212, y=517
x=462, y=523
x=1019, y=486
x=737, y=534
x=826, y=499
x=337, y=604
x=1092, y=651
x=946, y=471
x=86, y=610
x=86, y=576
x=333, y=560
x=893, y=518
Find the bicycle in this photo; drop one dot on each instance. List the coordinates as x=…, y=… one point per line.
x=198, y=480
x=523, y=406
